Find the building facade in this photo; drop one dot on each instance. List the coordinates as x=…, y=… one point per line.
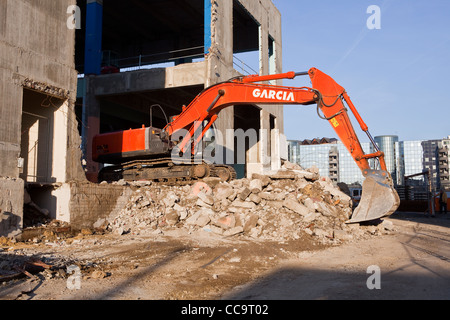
x=390, y=146
x=332, y=159
x=408, y=162
x=443, y=158
x=39, y=141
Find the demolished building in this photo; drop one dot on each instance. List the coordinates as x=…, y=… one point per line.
x=61, y=81
x=38, y=133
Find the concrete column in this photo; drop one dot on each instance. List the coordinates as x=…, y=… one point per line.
x=91, y=117
x=265, y=140
x=219, y=59
x=60, y=142
x=94, y=30
x=254, y=164
x=264, y=46
x=276, y=143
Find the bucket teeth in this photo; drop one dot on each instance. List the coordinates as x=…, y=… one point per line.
x=379, y=198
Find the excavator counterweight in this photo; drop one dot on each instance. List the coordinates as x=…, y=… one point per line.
x=145, y=153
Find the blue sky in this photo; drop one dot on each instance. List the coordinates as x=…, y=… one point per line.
x=397, y=76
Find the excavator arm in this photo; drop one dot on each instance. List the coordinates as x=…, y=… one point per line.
x=325, y=92
x=379, y=198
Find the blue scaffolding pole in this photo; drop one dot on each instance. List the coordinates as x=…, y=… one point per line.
x=93, y=43
x=207, y=42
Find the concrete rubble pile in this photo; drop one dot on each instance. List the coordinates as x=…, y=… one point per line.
x=285, y=205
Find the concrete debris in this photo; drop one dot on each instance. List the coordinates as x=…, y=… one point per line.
x=287, y=204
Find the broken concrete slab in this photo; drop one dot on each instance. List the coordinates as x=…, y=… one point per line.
x=251, y=223
x=282, y=174
x=272, y=196
x=201, y=218
x=255, y=198
x=296, y=207
x=243, y=204
x=233, y=231
x=245, y=193
x=227, y=222
x=265, y=180
x=256, y=185
x=207, y=199
x=223, y=192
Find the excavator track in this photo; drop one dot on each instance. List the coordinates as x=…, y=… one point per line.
x=164, y=171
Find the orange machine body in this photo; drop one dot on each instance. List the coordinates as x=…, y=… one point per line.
x=121, y=146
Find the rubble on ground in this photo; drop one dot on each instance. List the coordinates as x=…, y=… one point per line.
x=288, y=204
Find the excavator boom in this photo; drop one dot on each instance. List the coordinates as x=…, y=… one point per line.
x=379, y=198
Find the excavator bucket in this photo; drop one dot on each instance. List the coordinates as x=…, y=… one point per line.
x=379, y=198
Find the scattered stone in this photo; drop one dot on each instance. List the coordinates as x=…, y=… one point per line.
x=271, y=196
x=296, y=207
x=86, y=232
x=233, y=231
x=387, y=225
x=256, y=185
x=201, y=187
x=119, y=231
x=207, y=199
x=223, y=192
x=283, y=174
x=244, y=194
x=100, y=224
x=169, y=200
x=201, y=218
x=311, y=216
x=255, y=198
x=275, y=206
x=243, y=204
x=172, y=218
x=265, y=180
x=226, y=222
x=98, y=274
x=291, y=166
x=251, y=223
x=342, y=235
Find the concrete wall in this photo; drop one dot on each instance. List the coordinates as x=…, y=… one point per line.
x=36, y=52
x=11, y=207
x=82, y=204
x=91, y=203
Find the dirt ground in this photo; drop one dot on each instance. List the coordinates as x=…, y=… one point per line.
x=413, y=260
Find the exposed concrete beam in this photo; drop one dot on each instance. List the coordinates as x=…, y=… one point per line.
x=150, y=79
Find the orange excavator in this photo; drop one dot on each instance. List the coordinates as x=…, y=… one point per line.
x=148, y=153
